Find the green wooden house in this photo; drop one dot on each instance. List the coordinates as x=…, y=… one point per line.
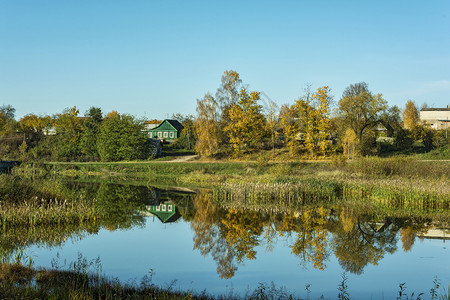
x=168, y=130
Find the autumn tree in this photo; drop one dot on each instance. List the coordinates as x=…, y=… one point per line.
x=291, y=128
x=410, y=115
x=271, y=110
x=34, y=125
x=313, y=109
x=228, y=93
x=247, y=123
x=350, y=143
x=360, y=109
x=206, y=126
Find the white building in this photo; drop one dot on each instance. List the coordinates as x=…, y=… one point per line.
x=438, y=118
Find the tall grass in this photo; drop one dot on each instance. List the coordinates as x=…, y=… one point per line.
x=399, y=166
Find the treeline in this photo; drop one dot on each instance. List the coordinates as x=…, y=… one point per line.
x=93, y=137
x=238, y=120
x=233, y=121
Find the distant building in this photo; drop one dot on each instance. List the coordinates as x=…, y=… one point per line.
x=151, y=124
x=168, y=130
x=438, y=118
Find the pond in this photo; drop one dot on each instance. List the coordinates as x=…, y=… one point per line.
x=184, y=239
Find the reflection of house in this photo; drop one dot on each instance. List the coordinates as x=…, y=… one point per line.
x=168, y=130
x=166, y=212
x=438, y=118
x=435, y=233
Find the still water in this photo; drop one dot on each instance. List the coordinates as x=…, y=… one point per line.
x=186, y=240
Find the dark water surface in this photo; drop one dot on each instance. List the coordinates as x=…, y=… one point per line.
x=184, y=239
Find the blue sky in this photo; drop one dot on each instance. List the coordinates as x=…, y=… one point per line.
x=155, y=58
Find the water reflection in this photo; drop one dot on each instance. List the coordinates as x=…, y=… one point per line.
x=357, y=235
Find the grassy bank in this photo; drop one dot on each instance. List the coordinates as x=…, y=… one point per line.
x=394, y=182
x=25, y=282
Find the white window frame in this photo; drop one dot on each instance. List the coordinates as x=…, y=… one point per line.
x=171, y=134
x=166, y=134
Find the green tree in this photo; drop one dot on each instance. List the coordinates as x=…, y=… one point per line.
x=121, y=138
x=7, y=122
x=187, y=137
x=91, y=128
x=68, y=128
x=247, y=123
x=360, y=109
x=7, y=111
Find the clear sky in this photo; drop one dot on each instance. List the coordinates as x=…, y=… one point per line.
x=155, y=58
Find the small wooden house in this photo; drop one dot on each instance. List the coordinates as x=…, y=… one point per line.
x=168, y=130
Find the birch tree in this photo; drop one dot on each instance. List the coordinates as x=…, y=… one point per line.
x=206, y=126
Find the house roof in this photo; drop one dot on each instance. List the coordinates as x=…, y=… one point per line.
x=174, y=123
x=436, y=109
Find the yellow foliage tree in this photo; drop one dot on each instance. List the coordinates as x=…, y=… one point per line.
x=291, y=127
x=410, y=115
x=313, y=110
x=206, y=126
x=247, y=123
x=35, y=125
x=350, y=142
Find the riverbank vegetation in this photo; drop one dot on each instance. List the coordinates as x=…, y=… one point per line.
x=25, y=282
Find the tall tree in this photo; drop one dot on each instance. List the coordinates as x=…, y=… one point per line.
x=68, y=128
x=410, y=115
x=7, y=122
x=228, y=92
x=7, y=111
x=360, y=109
x=291, y=128
x=91, y=127
x=207, y=126
x=271, y=111
x=323, y=99
x=350, y=143
x=247, y=124
x=313, y=109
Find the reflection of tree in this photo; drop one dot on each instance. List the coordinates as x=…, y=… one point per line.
x=120, y=205
x=363, y=244
x=347, y=219
x=242, y=230
x=311, y=242
x=208, y=238
x=408, y=236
